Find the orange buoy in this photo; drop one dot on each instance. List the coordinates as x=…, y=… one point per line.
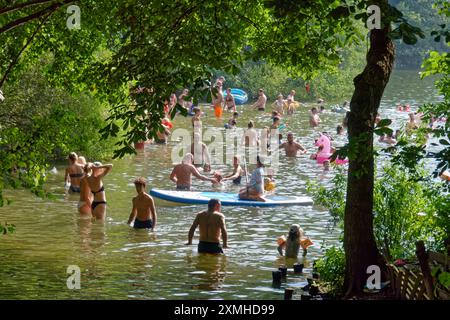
x=167, y=123
x=305, y=243
x=281, y=240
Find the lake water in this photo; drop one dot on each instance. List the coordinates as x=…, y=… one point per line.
x=118, y=262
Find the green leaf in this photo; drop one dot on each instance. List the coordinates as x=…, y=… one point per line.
x=384, y=123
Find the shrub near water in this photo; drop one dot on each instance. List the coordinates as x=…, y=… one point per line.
x=331, y=268
x=406, y=209
x=40, y=124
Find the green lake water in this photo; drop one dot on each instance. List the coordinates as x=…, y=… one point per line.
x=118, y=262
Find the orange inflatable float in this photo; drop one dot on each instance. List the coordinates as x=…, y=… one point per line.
x=167, y=123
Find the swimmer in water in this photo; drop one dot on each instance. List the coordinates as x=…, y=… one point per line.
x=74, y=173
x=314, y=118
x=143, y=213
x=260, y=104
x=412, y=124
x=280, y=105
x=229, y=101
x=295, y=239
x=212, y=227
x=182, y=173
x=291, y=147
x=233, y=121
x=95, y=173
x=86, y=197
x=238, y=172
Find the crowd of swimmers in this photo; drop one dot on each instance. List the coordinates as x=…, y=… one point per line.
x=82, y=178
x=86, y=178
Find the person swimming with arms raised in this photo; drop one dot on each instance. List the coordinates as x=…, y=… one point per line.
x=143, y=213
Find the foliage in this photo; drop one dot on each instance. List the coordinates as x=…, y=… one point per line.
x=333, y=197
x=331, y=268
x=406, y=209
x=424, y=15
x=331, y=85
x=39, y=124
x=404, y=214
x=7, y=228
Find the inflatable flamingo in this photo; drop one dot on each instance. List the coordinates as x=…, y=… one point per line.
x=325, y=153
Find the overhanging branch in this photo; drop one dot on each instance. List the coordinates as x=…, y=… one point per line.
x=11, y=65
x=36, y=15
x=19, y=6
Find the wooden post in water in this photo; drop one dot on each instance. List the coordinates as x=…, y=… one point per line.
x=288, y=292
x=283, y=270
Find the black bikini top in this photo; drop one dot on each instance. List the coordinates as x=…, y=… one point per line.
x=101, y=189
x=76, y=175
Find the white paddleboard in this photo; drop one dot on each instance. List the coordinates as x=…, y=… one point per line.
x=227, y=199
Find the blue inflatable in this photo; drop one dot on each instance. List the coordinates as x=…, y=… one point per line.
x=240, y=96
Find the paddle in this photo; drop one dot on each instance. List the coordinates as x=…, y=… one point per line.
x=246, y=172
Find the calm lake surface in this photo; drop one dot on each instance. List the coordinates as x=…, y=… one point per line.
x=118, y=262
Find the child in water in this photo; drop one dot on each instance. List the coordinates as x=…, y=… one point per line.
x=292, y=243
x=232, y=122
x=280, y=105
x=143, y=213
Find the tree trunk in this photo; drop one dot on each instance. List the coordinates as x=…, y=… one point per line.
x=359, y=242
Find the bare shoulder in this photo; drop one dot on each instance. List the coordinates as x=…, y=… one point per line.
x=148, y=197
x=219, y=215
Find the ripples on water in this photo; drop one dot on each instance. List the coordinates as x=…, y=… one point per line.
x=118, y=262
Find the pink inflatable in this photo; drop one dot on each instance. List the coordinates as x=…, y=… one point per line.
x=325, y=153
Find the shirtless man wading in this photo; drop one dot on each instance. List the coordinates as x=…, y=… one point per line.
x=212, y=226
x=291, y=147
x=260, y=104
x=182, y=173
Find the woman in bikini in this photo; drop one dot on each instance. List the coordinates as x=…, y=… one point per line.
x=95, y=173
x=74, y=173
x=229, y=101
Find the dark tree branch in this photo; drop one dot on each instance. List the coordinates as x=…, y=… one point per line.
x=16, y=59
x=36, y=15
x=19, y=6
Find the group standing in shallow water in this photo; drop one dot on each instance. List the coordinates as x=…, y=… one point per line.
x=83, y=178
x=87, y=178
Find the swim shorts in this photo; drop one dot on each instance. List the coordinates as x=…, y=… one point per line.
x=218, y=111
x=138, y=224
x=209, y=247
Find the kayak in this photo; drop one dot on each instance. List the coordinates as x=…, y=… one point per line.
x=227, y=199
x=240, y=96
